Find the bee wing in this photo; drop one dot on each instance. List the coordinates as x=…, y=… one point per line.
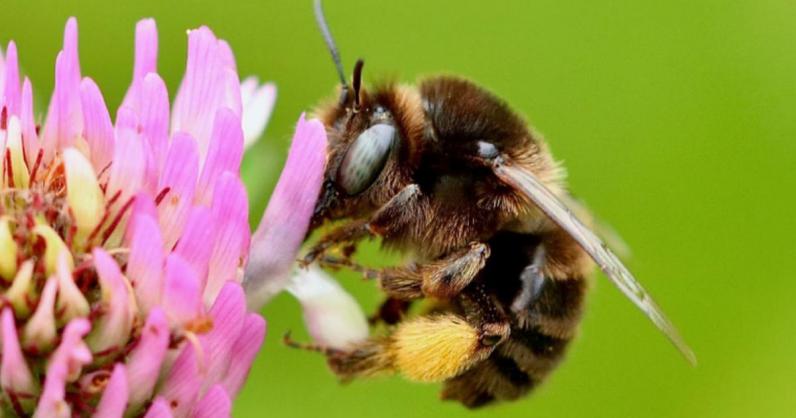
x=602, y=229
x=525, y=182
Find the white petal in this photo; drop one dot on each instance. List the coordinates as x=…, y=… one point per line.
x=333, y=318
x=258, y=103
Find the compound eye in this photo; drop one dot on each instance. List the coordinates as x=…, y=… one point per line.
x=365, y=158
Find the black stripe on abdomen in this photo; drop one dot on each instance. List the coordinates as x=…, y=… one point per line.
x=509, y=369
x=540, y=344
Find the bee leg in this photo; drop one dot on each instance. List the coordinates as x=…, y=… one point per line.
x=533, y=280
x=290, y=342
x=441, y=279
x=390, y=312
x=429, y=348
x=393, y=215
x=398, y=212
x=497, y=377
x=347, y=234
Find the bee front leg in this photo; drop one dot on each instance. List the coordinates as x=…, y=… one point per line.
x=392, y=216
x=348, y=234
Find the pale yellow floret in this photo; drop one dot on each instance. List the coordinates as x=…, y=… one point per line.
x=39, y=331
x=54, y=247
x=83, y=194
x=8, y=251
x=431, y=349
x=14, y=145
x=70, y=303
x=20, y=290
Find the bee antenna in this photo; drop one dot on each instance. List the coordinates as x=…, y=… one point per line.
x=357, y=82
x=327, y=37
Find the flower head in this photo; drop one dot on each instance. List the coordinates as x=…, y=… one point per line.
x=122, y=242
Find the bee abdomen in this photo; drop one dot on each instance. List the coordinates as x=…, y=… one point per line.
x=540, y=333
x=498, y=377
x=512, y=371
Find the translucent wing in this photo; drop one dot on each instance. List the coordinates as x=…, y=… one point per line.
x=601, y=228
x=528, y=184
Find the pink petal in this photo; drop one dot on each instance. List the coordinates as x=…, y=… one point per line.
x=146, y=262
x=244, y=350
x=228, y=314
x=159, y=409
x=146, y=48
x=230, y=213
x=52, y=403
x=232, y=91
x=205, y=87
x=146, y=359
x=29, y=134
x=114, y=399
x=154, y=116
x=64, y=366
x=64, y=117
x=147, y=95
x=181, y=387
x=2, y=75
x=227, y=57
x=224, y=154
x=126, y=118
x=258, y=104
x=215, y=404
x=143, y=205
x=15, y=376
x=129, y=161
x=179, y=176
x=281, y=232
x=181, y=295
x=97, y=126
x=11, y=90
x=196, y=244
x=70, y=48
x=146, y=56
x=112, y=329
x=72, y=351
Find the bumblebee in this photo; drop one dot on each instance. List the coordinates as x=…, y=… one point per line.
x=448, y=174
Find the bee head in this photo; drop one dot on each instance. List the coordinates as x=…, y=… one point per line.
x=364, y=141
x=362, y=136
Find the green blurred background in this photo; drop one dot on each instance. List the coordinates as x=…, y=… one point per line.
x=675, y=120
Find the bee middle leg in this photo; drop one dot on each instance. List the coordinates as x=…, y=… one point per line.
x=441, y=279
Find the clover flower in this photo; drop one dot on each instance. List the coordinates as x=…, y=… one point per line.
x=122, y=242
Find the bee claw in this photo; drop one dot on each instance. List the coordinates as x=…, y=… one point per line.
x=312, y=256
x=290, y=342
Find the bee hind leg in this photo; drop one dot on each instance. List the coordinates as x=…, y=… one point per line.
x=390, y=312
x=429, y=348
